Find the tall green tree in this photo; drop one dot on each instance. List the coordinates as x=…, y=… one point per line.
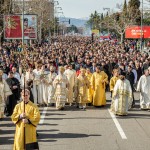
x=94, y=21
x=134, y=11
x=125, y=9
x=134, y=4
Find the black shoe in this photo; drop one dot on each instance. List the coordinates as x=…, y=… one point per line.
x=50, y=104
x=7, y=115
x=62, y=108
x=77, y=105
x=133, y=105
x=89, y=104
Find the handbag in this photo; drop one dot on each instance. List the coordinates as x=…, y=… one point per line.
x=32, y=146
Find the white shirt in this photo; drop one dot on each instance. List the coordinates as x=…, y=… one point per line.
x=135, y=75
x=4, y=76
x=17, y=76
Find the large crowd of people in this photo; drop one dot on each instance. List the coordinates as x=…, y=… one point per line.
x=74, y=70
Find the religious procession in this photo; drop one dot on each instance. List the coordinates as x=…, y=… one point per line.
x=74, y=84
x=71, y=72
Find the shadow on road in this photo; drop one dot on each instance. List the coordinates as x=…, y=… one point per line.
x=134, y=116
x=63, y=135
x=52, y=130
x=7, y=140
x=48, y=124
x=54, y=114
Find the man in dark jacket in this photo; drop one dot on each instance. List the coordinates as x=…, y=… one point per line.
x=11, y=102
x=130, y=77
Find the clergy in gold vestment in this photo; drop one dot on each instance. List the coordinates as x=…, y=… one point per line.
x=4, y=92
x=61, y=85
x=112, y=83
x=114, y=79
x=82, y=86
x=30, y=119
x=89, y=90
x=99, y=81
x=122, y=96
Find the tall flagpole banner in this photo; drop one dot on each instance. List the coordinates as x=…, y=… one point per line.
x=13, y=27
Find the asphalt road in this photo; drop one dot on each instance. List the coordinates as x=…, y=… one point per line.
x=93, y=129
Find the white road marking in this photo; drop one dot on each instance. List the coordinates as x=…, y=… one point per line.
x=43, y=115
x=120, y=130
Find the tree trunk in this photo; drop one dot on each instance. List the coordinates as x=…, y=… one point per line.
x=122, y=38
x=0, y=40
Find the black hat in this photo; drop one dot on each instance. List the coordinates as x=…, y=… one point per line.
x=123, y=73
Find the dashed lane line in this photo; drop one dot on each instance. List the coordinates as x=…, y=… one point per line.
x=120, y=130
x=43, y=115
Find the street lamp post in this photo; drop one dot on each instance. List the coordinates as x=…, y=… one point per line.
x=58, y=22
x=142, y=33
x=56, y=29
x=55, y=4
x=23, y=25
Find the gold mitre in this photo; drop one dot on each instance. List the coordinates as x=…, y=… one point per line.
x=61, y=68
x=83, y=70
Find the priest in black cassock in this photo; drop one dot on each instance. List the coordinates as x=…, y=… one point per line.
x=11, y=102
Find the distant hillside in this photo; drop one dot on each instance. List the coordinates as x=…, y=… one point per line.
x=73, y=21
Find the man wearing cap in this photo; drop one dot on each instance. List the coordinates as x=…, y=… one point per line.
x=4, y=92
x=61, y=85
x=122, y=96
x=144, y=88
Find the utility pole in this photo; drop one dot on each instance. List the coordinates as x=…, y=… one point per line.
x=142, y=33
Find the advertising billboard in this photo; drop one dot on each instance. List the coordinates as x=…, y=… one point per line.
x=135, y=32
x=13, y=26
x=95, y=32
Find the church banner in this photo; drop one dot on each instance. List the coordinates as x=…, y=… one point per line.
x=136, y=32
x=13, y=26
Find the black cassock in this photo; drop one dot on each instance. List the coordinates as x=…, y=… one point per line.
x=12, y=99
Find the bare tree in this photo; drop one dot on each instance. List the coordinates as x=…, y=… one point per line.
x=120, y=21
x=5, y=9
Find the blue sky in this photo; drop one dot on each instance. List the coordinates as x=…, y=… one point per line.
x=83, y=8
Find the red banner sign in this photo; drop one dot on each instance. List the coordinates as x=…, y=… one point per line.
x=134, y=32
x=13, y=27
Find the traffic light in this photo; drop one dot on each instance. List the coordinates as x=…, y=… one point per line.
x=69, y=21
x=92, y=37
